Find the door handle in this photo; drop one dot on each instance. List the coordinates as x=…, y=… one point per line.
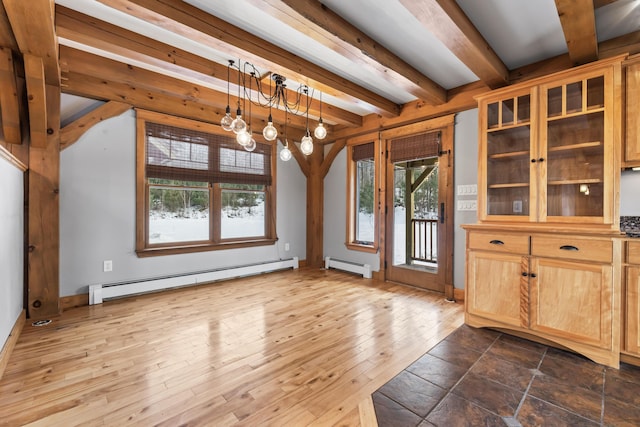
x=569, y=248
x=497, y=242
x=441, y=213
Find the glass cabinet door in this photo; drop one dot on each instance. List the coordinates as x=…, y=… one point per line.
x=508, y=146
x=574, y=133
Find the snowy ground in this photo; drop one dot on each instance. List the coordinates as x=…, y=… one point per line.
x=166, y=228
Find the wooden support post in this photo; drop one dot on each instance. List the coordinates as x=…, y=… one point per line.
x=9, y=104
x=36, y=94
x=315, y=208
x=44, y=218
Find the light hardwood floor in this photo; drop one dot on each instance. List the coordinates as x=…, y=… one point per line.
x=292, y=348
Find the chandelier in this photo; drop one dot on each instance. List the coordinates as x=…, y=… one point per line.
x=275, y=96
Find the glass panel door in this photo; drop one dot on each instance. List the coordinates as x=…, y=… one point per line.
x=575, y=149
x=508, y=151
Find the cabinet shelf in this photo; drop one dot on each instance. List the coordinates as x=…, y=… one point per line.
x=578, y=113
x=575, y=181
x=579, y=146
x=511, y=155
x=510, y=185
x=495, y=128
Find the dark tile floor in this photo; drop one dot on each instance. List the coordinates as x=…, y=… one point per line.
x=479, y=377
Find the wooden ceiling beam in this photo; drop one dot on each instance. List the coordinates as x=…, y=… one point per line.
x=446, y=20
x=97, y=88
x=459, y=99
x=9, y=103
x=7, y=39
x=37, y=99
x=78, y=62
x=193, y=23
x=578, y=21
x=149, y=99
x=329, y=29
x=98, y=34
x=33, y=28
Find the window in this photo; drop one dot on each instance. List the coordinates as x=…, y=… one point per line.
x=198, y=189
x=362, y=188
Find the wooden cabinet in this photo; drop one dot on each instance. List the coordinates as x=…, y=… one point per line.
x=494, y=291
x=631, y=338
x=560, y=288
x=573, y=301
x=632, y=131
x=548, y=148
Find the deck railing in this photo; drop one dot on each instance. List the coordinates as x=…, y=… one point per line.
x=425, y=240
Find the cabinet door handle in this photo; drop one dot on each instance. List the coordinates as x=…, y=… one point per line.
x=541, y=159
x=533, y=160
x=525, y=274
x=569, y=248
x=497, y=242
x=532, y=275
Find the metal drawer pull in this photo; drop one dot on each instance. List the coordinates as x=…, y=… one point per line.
x=497, y=242
x=569, y=248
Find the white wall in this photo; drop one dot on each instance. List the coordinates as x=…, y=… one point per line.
x=629, y=193
x=11, y=247
x=98, y=208
x=466, y=173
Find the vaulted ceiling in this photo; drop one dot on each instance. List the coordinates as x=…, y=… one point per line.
x=370, y=59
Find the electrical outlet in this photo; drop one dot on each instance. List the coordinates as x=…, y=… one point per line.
x=107, y=266
x=286, y=246
x=517, y=206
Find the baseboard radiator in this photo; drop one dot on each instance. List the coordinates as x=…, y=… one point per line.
x=99, y=293
x=352, y=267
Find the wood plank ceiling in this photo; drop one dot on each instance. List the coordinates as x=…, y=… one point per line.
x=105, y=61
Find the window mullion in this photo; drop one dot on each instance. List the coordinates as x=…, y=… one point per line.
x=215, y=214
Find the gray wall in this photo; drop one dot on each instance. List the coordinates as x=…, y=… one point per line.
x=11, y=246
x=335, y=216
x=630, y=193
x=466, y=172
x=97, y=215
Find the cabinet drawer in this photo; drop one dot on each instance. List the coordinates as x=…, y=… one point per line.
x=633, y=252
x=569, y=247
x=511, y=243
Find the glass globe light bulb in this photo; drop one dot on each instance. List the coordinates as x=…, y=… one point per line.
x=243, y=138
x=269, y=132
x=306, y=145
x=320, y=131
x=251, y=145
x=238, y=125
x=227, y=120
x=285, y=154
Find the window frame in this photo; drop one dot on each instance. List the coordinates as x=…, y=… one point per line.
x=352, y=194
x=143, y=247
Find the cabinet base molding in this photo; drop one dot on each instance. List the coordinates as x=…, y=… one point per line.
x=630, y=359
x=11, y=341
x=599, y=355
